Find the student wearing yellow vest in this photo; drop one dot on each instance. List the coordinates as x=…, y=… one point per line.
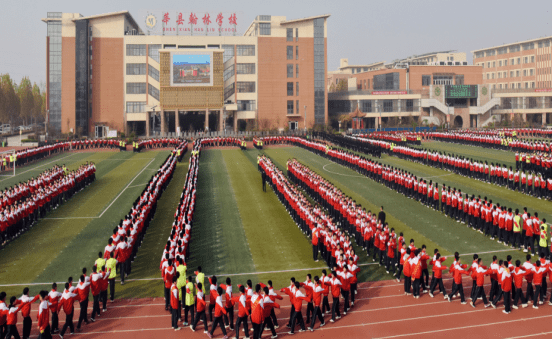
x=200, y=277
x=111, y=265
x=517, y=226
x=188, y=296
x=100, y=262
x=181, y=282
x=542, y=244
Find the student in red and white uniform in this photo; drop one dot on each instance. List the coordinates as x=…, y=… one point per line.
x=257, y=312
x=335, y=285
x=437, y=269
x=26, y=311
x=298, y=297
x=174, y=303
x=43, y=316
x=539, y=273
x=213, y=294
x=481, y=271
x=67, y=301
x=167, y=275
x=83, y=289
x=228, y=318
x=11, y=317
x=324, y=283
x=53, y=298
x=268, y=305
x=458, y=271
x=242, y=312
x=274, y=296
x=318, y=292
x=518, y=274
x=308, y=285
x=200, y=308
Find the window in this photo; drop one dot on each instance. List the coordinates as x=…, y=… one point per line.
x=518, y=61
x=488, y=53
x=528, y=46
x=297, y=34
x=460, y=79
x=493, y=64
x=366, y=106
x=518, y=73
x=443, y=80
x=290, y=107
x=297, y=107
x=289, y=89
x=153, y=91
x=532, y=59
x=488, y=64
x=246, y=105
x=245, y=68
x=136, y=50
x=531, y=71
x=297, y=70
x=518, y=85
x=229, y=72
x=359, y=70
x=264, y=18
x=409, y=105
x=512, y=61
x=388, y=105
x=525, y=60
x=456, y=102
x=136, y=107
x=524, y=74
x=297, y=52
x=289, y=34
x=500, y=63
x=533, y=84
x=228, y=53
x=487, y=76
x=153, y=52
x=426, y=80
x=526, y=85
x=514, y=48
x=502, y=50
x=352, y=70
x=136, y=88
x=264, y=29
x=245, y=50
x=493, y=74
x=169, y=46
x=511, y=74
x=289, y=52
x=387, y=81
x=136, y=69
x=290, y=71
x=297, y=88
x=153, y=72
x=229, y=90
x=245, y=86
x=365, y=69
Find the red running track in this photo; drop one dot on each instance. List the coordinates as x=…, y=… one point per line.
x=381, y=311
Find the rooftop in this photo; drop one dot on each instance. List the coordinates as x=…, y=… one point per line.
x=515, y=43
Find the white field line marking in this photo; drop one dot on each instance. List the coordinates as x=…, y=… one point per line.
x=529, y=335
x=36, y=167
x=438, y=176
x=109, y=206
x=337, y=173
x=464, y=327
x=122, y=191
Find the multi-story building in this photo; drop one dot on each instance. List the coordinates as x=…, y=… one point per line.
x=441, y=88
x=105, y=74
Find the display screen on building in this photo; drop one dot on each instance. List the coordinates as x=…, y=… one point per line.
x=461, y=91
x=191, y=68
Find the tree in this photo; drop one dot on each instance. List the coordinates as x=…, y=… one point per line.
x=12, y=104
x=26, y=99
x=38, y=107
x=332, y=88
x=342, y=85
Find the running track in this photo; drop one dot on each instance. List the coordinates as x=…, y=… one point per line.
x=381, y=311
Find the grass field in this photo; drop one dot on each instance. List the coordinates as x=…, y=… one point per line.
x=474, y=152
x=238, y=229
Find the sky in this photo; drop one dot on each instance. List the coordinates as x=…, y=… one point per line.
x=364, y=31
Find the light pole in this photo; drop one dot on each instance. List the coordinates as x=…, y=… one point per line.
x=379, y=107
x=149, y=122
x=447, y=117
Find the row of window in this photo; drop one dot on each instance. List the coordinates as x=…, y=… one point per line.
x=374, y=106
x=290, y=107
x=514, y=61
x=140, y=88
x=517, y=73
x=153, y=50
x=290, y=34
x=136, y=107
x=526, y=85
x=512, y=49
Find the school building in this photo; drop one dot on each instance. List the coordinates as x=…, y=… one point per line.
x=441, y=88
x=106, y=74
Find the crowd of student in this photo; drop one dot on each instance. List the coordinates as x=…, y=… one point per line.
x=25, y=156
x=23, y=204
x=494, y=141
x=156, y=143
x=533, y=179
x=221, y=141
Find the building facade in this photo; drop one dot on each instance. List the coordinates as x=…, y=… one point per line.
x=105, y=74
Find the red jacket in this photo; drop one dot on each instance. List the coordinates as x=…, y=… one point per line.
x=241, y=300
x=437, y=268
x=257, y=309
x=66, y=301
x=518, y=273
x=26, y=309
x=200, y=301
x=43, y=315
x=168, y=274
x=82, y=290
x=219, y=308
x=481, y=272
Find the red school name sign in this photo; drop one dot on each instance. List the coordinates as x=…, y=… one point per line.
x=192, y=22
x=377, y=93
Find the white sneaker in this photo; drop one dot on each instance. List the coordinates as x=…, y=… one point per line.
x=505, y=312
x=515, y=306
x=535, y=307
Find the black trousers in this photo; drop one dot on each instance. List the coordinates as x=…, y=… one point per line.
x=537, y=295
x=345, y=295
x=12, y=331
x=317, y=314
x=191, y=309
x=519, y=295
x=174, y=318
x=426, y=275
x=3, y=331
x=310, y=310
x=211, y=308
x=315, y=252
x=335, y=307
x=95, y=306
x=440, y=283
x=479, y=292
x=268, y=322
x=407, y=284
x=417, y=287
x=494, y=290
x=296, y=316
x=82, y=315
x=243, y=320
x=111, y=289
x=274, y=318
x=55, y=322
x=326, y=306
x=200, y=315
x=68, y=323
x=458, y=288
x=218, y=322
x=104, y=298
x=229, y=317
x=46, y=334
x=27, y=324
x=167, y=292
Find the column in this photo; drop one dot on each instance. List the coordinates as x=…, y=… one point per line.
x=206, y=119
x=543, y=118
x=147, y=124
x=235, y=121
x=163, y=122
x=177, y=123
x=221, y=112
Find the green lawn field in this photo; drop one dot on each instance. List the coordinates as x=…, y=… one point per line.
x=474, y=152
